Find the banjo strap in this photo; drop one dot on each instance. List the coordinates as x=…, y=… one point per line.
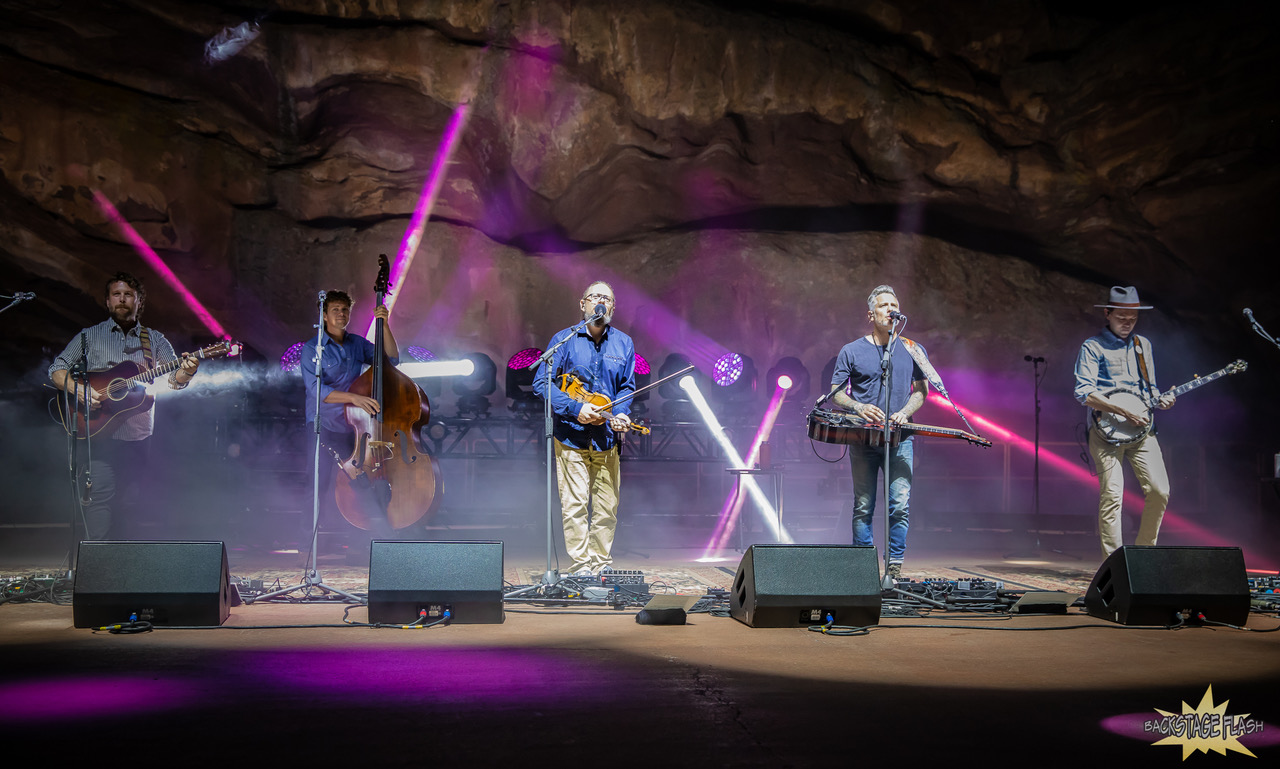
x=1142, y=365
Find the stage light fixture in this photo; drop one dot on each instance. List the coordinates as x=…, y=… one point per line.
x=291, y=361
x=793, y=368
x=644, y=376
x=740, y=389
x=676, y=405
x=828, y=371
x=474, y=389
x=727, y=369
x=520, y=381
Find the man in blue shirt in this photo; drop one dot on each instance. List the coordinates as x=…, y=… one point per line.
x=858, y=365
x=343, y=359
x=586, y=449
x=1118, y=358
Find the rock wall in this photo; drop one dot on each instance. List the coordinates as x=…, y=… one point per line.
x=744, y=171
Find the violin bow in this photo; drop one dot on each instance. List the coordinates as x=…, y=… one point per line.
x=649, y=386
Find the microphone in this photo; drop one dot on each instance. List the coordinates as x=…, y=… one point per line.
x=1249, y=314
x=24, y=297
x=895, y=315
x=1030, y=359
x=600, y=312
x=323, y=295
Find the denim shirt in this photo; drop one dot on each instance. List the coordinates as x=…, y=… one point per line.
x=342, y=363
x=1106, y=361
x=608, y=369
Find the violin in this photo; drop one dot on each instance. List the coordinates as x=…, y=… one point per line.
x=389, y=481
x=574, y=388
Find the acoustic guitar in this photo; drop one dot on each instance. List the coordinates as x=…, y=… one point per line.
x=122, y=390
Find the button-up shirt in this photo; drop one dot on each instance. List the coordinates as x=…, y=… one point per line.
x=109, y=346
x=342, y=363
x=1106, y=361
x=607, y=368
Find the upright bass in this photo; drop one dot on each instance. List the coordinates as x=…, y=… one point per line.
x=389, y=481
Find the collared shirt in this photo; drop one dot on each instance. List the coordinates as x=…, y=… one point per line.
x=110, y=345
x=1106, y=361
x=343, y=362
x=608, y=369
x=859, y=362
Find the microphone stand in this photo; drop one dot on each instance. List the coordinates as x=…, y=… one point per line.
x=16, y=299
x=311, y=577
x=80, y=499
x=551, y=576
x=1257, y=327
x=886, y=384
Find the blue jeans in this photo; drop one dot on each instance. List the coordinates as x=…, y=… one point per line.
x=867, y=462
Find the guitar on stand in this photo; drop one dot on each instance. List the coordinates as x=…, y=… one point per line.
x=1120, y=431
x=123, y=389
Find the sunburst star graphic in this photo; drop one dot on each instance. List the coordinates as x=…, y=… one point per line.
x=1205, y=728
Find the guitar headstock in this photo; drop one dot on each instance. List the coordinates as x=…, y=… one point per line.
x=977, y=440
x=382, y=283
x=1237, y=367
x=225, y=347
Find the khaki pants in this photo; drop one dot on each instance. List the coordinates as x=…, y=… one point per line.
x=1148, y=467
x=588, y=476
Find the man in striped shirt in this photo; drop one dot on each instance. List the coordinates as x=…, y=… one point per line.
x=119, y=462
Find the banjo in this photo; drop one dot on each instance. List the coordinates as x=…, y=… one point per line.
x=1119, y=431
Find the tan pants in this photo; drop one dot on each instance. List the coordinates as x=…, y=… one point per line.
x=593, y=476
x=1148, y=467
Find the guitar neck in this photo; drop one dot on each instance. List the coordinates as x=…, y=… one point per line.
x=150, y=374
x=164, y=368
x=1197, y=382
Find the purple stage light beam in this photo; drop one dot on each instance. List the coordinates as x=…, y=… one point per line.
x=426, y=202
x=730, y=513
x=157, y=264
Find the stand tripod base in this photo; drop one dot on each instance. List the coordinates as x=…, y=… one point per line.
x=310, y=579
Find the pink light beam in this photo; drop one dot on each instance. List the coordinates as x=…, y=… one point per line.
x=426, y=202
x=156, y=263
x=1132, y=498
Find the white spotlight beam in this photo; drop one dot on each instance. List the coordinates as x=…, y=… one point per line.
x=767, y=513
x=432, y=368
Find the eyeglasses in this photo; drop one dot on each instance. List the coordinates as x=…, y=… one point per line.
x=599, y=298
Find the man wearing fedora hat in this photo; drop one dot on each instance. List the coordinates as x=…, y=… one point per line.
x=1119, y=358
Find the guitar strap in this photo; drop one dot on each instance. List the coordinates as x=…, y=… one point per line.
x=1146, y=380
x=146, y=347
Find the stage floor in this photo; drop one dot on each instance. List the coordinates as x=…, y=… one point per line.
x=587, y=685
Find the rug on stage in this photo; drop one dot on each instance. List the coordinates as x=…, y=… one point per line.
x=661, y=579
x=699, y=579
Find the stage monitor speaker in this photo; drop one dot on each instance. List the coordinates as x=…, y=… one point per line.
x=1140, y=585
x=800, y=585
x=408, y=577
x=164, y=583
